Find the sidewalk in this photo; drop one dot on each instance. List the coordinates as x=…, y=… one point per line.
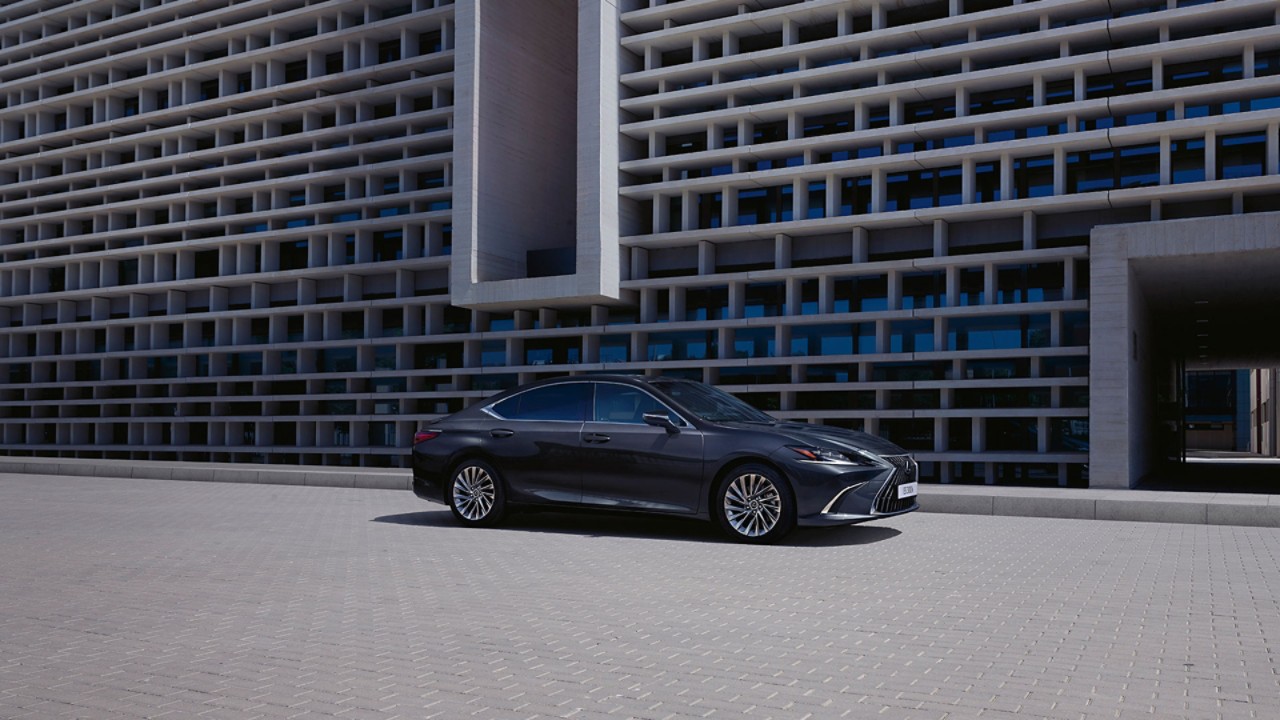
x=1196, y=508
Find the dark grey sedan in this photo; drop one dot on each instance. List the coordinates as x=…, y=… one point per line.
x=657, y=445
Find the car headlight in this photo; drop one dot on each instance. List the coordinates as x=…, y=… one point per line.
x=832, y=457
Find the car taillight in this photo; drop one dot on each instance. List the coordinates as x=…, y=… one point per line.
x=424, y=435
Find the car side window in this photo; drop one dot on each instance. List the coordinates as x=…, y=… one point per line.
x=567, y=402
x=625, y=404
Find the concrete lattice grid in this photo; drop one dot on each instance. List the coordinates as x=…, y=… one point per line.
x=919, y=161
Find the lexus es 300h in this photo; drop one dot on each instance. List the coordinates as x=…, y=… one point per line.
x=657, y=445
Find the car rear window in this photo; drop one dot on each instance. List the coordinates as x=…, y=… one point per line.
x=567, y=402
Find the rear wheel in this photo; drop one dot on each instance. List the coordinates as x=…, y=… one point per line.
x=476, y=495
x=754, y=505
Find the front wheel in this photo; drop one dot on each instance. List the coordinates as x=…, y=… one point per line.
x=754, y=505
x=476, y=496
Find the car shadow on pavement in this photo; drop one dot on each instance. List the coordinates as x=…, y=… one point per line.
x=639, y=526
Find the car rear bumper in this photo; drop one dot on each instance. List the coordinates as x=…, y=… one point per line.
x=427, y=483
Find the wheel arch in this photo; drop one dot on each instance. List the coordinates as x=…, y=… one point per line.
x=722, y=474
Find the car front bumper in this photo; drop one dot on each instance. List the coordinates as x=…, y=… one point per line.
x=829, y=494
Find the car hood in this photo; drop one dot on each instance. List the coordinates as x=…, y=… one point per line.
x=827, y=435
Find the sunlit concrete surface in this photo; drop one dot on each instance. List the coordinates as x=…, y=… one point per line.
x=132, y=598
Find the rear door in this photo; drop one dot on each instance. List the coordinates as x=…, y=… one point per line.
x=533, y=439
x=628, y=464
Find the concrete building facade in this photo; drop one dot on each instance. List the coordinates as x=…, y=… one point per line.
x=291, y=231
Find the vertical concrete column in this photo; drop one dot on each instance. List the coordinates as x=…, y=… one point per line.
x=832, y=196
x=661, y=214
x=895, y=289
x=793, y=298
x=939, y=434
x=677, y=304
x=706, y=258
x=1006, y=176
x=1249, y=60
x=1059, y=170
x=940, y=229
x=1211, y=155
x=1028, y=230
x=728, y=206
x=1069, y=279
x=799, y=199
x=844, y=22
x=639, y=263
x=989, y=284
x=978, y=435
x=1166, y=160
x=1273, y=149
x=781, y=251
x=861, y=245
x=877, y=190
x=737, y=299
x=826, y=294
x=968, y=180
x=953, y=286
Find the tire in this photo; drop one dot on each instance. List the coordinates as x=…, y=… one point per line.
x=476, y=495
x=755, y=505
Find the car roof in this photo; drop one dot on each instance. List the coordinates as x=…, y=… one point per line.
x=614, y=377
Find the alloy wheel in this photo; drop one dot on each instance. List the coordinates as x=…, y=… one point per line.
x=752, y=505
x=474, y=493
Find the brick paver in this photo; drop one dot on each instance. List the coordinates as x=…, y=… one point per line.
x=139, y=599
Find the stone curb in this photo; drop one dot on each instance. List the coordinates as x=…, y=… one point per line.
x=1188, y=508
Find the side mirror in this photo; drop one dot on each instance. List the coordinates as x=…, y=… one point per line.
x=662, y=420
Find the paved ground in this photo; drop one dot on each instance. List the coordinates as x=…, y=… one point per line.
x=139, y=598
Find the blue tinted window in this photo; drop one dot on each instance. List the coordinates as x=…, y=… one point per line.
x=625, y=404
x=691, y=345
x=911, y=336
x=566, y=401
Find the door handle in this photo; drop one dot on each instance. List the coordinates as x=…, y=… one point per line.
x=501, y=433
x=595, y=438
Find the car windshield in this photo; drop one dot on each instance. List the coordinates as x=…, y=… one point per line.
x=711, y=404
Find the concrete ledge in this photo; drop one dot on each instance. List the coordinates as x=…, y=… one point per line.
x=1240, y=514
x=1102, y=504
x=1187, y=513
x=1047, y=506
x=391, y=479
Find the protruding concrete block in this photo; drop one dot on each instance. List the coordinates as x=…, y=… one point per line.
x=282, y=477
x=1241, y=514
x=940, y=501
x=1191, y=513
x=331, y=479
x=238, y=476
x=1045, y=506
x=383, y=481
x=149, y=471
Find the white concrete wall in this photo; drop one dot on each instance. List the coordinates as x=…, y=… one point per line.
x=526, y=132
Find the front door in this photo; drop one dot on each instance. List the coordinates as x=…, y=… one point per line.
x=628, y=464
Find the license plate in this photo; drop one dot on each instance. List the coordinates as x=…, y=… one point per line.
x=906, y=490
